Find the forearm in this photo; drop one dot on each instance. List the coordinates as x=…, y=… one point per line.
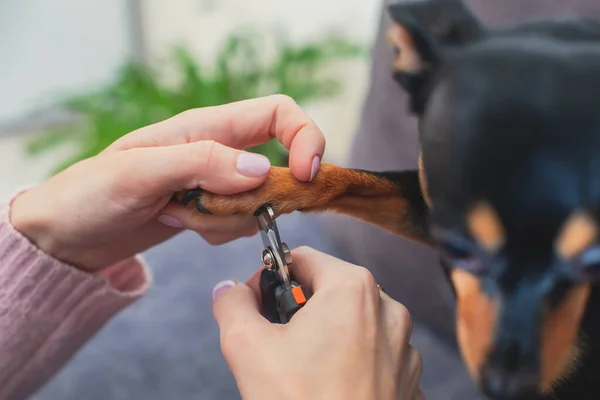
x=49, y=310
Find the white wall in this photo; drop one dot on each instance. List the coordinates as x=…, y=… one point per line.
x=202, y=24
x=50, y=47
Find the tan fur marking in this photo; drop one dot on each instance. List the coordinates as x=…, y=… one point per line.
x=423, y=181
x=559, y=350
x=476, y=319
x=408, y=59
x=579, y=231
x=486, y=227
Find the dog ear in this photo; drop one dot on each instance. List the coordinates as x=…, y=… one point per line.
x=422, y=31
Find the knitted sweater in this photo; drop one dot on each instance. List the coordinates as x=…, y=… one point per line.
x=49, y=310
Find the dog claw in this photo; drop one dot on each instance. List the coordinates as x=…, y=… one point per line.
x=191, y=195
x=201, y=208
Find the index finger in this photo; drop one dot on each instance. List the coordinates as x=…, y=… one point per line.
x=240, y=125
x=315, y=269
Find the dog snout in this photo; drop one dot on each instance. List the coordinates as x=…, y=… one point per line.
x=510, y=373
x=500, y=384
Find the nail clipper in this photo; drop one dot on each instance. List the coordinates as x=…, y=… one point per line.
x=282, y=297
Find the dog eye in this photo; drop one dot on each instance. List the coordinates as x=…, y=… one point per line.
x=587, y=266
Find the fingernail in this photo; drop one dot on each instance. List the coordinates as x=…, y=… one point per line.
x=170, y=221
x=253, y=165
x=315, y=167
x=221, y=288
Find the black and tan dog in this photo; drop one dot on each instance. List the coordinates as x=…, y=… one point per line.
x=508, y=188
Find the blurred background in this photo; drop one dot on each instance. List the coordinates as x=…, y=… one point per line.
x=77, y=74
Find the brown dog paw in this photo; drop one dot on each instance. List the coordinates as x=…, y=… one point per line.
x=392, y=201
x=281, y=190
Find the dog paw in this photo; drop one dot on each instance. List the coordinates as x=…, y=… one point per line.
x=281, y=190
x=246, y=203
x=376, y=198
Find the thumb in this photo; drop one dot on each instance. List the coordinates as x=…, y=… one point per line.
x=206, y=164
x=236, y=308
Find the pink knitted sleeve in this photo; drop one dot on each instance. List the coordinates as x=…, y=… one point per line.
x=48, y=309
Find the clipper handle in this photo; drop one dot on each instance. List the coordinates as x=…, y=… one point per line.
x=280, y=303
x=269, y=281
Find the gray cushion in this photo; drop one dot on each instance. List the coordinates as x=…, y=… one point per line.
x=166, y=346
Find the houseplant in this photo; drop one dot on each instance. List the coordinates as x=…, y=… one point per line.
x=139, y=94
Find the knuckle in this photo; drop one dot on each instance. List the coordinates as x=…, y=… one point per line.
x=188, y=114
x=285, y=100
x=304, y=254
x=364, y=279
x=214, y=240
x=303, y=251
x=232, y=339
x=178, y=122
x=404, y=317
x=205, y=153
x=359, y=281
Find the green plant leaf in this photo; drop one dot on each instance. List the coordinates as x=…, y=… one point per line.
x=138, y=96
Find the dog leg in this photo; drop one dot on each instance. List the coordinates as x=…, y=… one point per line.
x=390, y=200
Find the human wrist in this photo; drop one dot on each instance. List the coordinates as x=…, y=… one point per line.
x=30, y=215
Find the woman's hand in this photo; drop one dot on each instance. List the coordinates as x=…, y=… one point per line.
x=116, y=204
x=350, y=340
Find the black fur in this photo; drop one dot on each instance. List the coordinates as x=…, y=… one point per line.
x=410, y=188
x=512, y=117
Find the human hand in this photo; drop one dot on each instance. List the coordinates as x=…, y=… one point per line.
x=114, y=205
x=349, y=341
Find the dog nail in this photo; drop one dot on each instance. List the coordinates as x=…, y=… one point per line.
x=190, y=195
x=201, y=208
